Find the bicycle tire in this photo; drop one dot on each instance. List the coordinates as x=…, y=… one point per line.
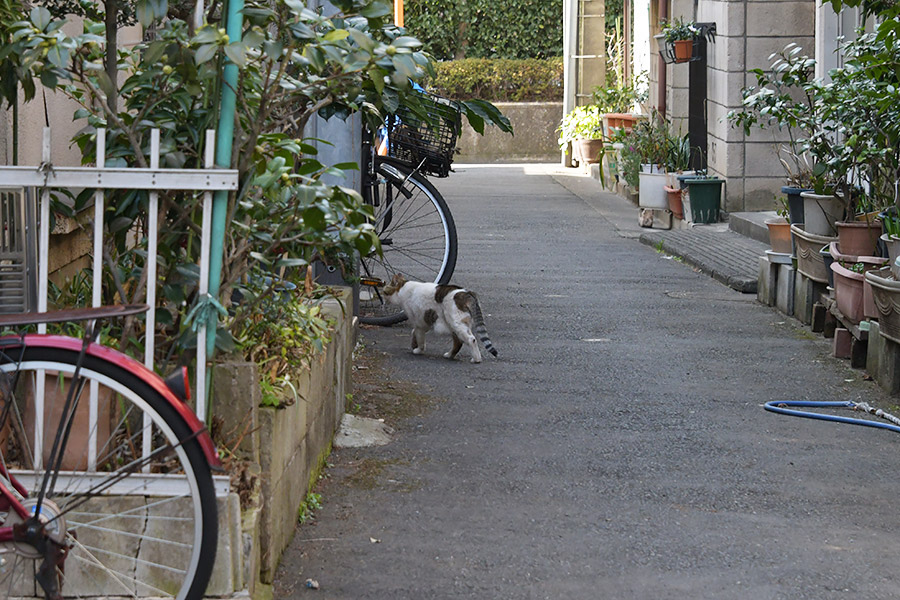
x=127, y=542
x=417, y=232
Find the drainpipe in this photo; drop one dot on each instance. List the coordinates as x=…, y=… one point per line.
x=398, y=13
x=661, y=92
x=224, y=140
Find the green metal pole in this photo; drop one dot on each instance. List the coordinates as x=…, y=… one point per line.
x=224, y=140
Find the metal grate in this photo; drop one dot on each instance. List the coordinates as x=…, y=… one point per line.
x=17, y=252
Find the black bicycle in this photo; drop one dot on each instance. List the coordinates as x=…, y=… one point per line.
x=416, y=229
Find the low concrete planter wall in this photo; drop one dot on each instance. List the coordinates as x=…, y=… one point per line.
x=535, y=140
x=286, y=446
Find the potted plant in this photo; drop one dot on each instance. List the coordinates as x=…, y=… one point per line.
x=650, y=144
x=680, y=35
x=784, y=100
x=616, y=102
x=583, y=128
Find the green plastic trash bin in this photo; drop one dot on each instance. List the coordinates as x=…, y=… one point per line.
x=705, y=195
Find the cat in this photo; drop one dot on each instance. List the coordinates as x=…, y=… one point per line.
x=444, y=308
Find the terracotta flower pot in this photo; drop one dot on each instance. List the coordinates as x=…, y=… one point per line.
x=675, y=204
x=589, y=151
x=683, y=50
x=624, y=121
x=848, y=292
x=859, y=237
x=779, y=235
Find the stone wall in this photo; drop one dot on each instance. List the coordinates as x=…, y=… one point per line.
x=535, y=139
x=286, y=447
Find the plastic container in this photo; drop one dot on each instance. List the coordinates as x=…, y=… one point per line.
x=706, y=197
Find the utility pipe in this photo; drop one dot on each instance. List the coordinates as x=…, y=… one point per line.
x=661, y=91
x=224, y=141
x=398, y=13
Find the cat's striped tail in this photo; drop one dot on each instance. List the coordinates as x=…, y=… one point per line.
x=480, y=328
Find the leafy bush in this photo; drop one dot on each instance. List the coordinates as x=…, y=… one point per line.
x=500, y=80
x=583, y=122
x=487, y=28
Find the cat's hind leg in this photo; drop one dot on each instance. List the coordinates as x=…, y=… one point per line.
x=457, y=345
x=463, y=331
x=418, y=341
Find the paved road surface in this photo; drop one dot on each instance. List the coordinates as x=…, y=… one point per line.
x=618, y=448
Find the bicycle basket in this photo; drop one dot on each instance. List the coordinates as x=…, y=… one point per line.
x=413, y=139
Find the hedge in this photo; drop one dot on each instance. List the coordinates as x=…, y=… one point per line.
x=454, y=29
x=500, y=80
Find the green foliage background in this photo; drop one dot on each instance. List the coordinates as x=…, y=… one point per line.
x=453, y=29
x=500, y=80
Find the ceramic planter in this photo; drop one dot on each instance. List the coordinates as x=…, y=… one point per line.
x=705, y=199
x=795, y=202
x=589, y=151
x=870, y=262
x=859, y=237
x=820, y=212
x=886, y=294
x=651, y=191
x=892, y=244
x=779, y=235
x=809, y=261
x=673, y=195
x=848, y=292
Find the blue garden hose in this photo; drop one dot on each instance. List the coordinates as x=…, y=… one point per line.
x=780, y=406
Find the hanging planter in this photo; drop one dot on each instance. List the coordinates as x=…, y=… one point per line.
x=679, y=41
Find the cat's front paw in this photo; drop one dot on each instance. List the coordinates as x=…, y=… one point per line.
x=449, y=355
x=475, y=360
x=417, y=351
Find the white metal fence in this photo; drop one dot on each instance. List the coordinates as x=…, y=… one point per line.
x=47, y=177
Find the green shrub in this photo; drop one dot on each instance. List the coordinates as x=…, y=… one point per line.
x=500, y=80
x=452, y=29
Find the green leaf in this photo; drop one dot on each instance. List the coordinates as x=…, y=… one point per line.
x=378, y=8
x=58, y=56
x=290, y=262
x=204, y=53
x=363, y=40
x=406, y=42
x=336, y=35
x=144, y=12
x=40, y=17
x=236, y=53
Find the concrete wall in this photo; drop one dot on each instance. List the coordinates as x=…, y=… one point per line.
x=288, y=445
x=748, y=31
x=535, y=139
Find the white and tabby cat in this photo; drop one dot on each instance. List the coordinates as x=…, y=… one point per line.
x=444, y=308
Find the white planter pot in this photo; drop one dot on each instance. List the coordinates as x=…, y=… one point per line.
x=892, y=243
x=820, y=212
x=652, y=193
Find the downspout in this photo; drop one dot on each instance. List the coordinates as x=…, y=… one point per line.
x=224, y=141
x=663, y=9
